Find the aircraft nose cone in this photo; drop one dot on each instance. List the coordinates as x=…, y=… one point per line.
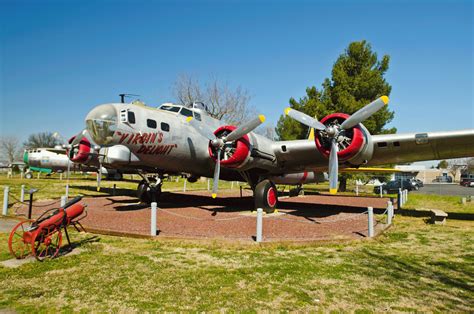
x=101, y=122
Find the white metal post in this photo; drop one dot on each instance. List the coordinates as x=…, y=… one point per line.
x=22, y=193
x=5, y=201
x=184, y=185
x=370, y=212
x=357, y=188
x=399, y=198
x=381, y=190
x=406, y=195
x=232, y=185
x=258, y=237
x=153, y=219
x=208, y=184
x=63, y=201
x=67, y=176
x=389, y=212
x=61, y=176
x=39, y=174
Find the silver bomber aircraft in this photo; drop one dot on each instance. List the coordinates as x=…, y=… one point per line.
x=173, y=139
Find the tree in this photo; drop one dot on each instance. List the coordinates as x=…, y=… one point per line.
x=223, y=102
x=10, y=146
x=456, y=165
x=443, y=164
x=42, y=139
x=357, y=79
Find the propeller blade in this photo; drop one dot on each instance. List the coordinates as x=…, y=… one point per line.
x=333, y=167
x=365, y=112
x=245, y=128
x=217, y=172
x=203, y=129
x=304, y=119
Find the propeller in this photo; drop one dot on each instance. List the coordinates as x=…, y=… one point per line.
x=333, y=131
x=219, y=142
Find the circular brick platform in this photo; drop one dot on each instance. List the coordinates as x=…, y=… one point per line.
x=197, y=215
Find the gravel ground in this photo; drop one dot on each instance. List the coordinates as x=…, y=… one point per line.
x=196, y=215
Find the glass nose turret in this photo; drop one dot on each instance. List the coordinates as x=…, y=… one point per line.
x=101, y=122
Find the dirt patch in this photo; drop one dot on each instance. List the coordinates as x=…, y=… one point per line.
x=197, y=215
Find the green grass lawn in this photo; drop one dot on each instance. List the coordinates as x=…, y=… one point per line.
x=53, y=188
x=412, y=267
x=450, y=204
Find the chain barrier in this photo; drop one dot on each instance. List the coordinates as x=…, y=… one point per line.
x=27, y=203
x=200, y=219
x=320, y=222
x=377, y=221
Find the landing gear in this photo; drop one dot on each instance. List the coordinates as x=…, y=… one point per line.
x=28, y=175
x=149, y=190
x=266, y=196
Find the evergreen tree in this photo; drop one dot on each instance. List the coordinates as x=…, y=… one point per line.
x=357, y=79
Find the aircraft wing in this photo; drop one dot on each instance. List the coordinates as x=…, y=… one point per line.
x=410, y=147
x=57, y=150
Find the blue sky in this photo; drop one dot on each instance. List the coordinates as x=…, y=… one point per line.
x=61, y=58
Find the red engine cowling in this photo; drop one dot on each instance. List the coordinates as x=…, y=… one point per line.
x=239, y=153
x=80, y=153
x=355, y=134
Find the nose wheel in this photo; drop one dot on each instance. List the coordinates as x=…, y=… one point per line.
x=266, y=196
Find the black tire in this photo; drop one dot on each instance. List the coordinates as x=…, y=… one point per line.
x=28, y=175
x=145, y=193
x=266, y=196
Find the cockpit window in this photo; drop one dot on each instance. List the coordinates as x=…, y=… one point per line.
x=186, y=112
x=131, y=117
x=169, y=108
x=197, y=116
x=102, y=123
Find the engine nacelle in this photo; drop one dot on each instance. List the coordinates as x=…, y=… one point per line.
x=82, y=152
x=355, y=147
x=234, y=155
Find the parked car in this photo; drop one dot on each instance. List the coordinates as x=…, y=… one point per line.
x=417, y=182
x=443, y=179
x=393, y=186
x=467, y=182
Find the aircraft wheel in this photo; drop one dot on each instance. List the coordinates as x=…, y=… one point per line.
x=146, y=194
x=266, y=196
x=118, y=176
x=28, y=175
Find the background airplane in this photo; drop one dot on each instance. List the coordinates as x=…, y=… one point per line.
x=175, y=139
x=51, y=160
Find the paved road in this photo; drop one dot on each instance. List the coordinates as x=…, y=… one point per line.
x=445, y=189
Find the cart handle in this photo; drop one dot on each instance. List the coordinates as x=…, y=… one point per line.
x=73, y=201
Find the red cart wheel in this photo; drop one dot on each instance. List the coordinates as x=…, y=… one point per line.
x=47, y=243
x=19, y=242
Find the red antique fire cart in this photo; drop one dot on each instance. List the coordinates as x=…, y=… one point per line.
x=42, y=237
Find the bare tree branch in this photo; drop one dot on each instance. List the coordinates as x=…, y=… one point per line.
x=10, y=147
x=223, y=102
x=42, y=139
x=456, y=165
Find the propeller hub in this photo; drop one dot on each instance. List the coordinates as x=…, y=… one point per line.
x=332, y=131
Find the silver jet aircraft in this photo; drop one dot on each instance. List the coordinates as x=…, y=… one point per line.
x=174, y=139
